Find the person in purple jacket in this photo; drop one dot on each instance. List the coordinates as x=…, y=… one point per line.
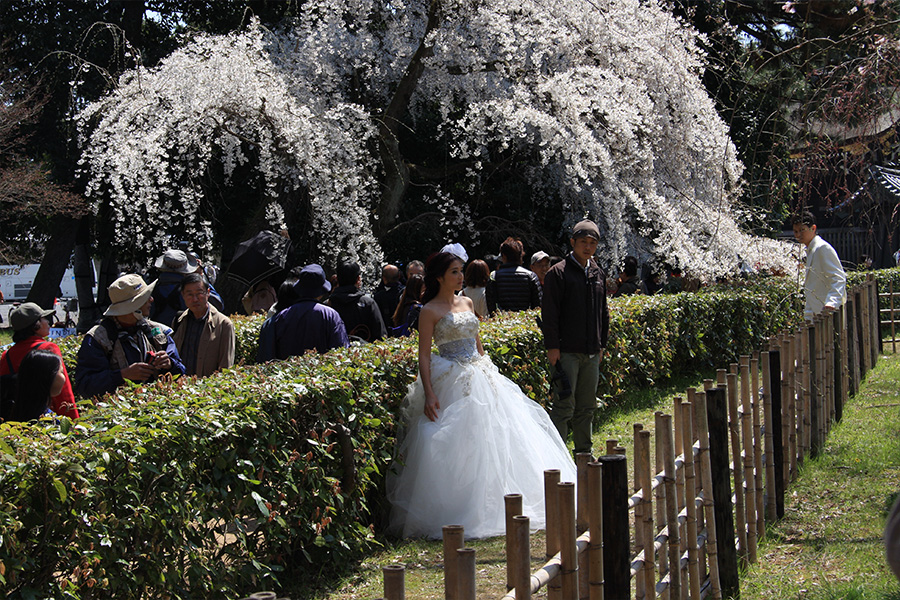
x=308, y=324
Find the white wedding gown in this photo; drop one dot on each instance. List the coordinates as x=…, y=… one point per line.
x=489, y=440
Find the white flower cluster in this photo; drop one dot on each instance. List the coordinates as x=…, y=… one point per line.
x=605, y=96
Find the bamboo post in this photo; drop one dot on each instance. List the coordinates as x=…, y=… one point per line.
x=814, y=442
x=551, y=512
x=690, y=490
x=581, y=462
x=513, y=507
x=828, y=334
x=701, y=523
x=582, y=459
x=821, y=380
x=665, y=438
x=789, y=402
x=647, y=575
x=465, y=583
x=864, y=329
x=616, y=537
x=839, y=361
x=858, y=345
x=875, y=328
x=851, y=344
x=721, y=375
x=394, y=584
x=640, y=467
x=568, y=552
x=595, y=520
x=748, y=456
x=734, y=464
x=679, y=450
x=611, y=446
x=712, y=544
x=720, y=463
x=802, y=417
x=660, y=499
x=453, y=541
x=758, y=447
x=679, y=473
x=522, y=572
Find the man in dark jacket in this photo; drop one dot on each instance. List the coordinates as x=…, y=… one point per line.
x=387, y=295
x=629, y=282
x=308, y=324
x=576, y=326
x=361, y=315
x=512, y=287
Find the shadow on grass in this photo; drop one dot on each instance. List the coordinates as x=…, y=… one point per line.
x=647, y=397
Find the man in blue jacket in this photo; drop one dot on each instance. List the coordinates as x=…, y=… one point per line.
x=125, y=344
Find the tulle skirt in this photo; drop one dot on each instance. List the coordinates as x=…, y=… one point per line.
x=489, y=440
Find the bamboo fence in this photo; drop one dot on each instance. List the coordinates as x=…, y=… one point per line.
x=695, y=512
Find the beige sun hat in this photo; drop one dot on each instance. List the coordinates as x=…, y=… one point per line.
x=128, y=294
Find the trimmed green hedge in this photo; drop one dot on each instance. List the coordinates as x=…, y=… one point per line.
x=264, y=475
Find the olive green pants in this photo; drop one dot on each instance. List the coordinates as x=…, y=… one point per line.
x=575, y=412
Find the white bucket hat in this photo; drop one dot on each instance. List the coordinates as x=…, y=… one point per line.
x=128, y=294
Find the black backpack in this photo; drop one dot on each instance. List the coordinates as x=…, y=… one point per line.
x=7, y=391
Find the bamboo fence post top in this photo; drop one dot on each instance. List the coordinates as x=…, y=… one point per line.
x=394, y=582
x=582, y=459
x=595, y=517
x=720, y=376
x=647, y=531
x=522, y=556
x=611, y=445
x=551, y=514
x=708, y=384
x=568, y=551
x=453, y=541
x=513, y=505
x=465, y=582
x=690, y=488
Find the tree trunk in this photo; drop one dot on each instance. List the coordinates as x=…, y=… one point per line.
x=45, y=288
x=395, y=165
x=88, y=312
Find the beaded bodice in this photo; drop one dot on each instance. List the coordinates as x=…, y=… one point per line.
x=455, y=334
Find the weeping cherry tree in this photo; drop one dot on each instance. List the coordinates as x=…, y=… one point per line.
x=360, y=116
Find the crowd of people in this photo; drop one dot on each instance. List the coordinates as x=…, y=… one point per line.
x=175, y=325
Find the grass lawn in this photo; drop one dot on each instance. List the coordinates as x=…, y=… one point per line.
x=829, y=544
x=5, y=336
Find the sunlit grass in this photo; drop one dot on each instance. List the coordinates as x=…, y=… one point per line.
x=829, y=543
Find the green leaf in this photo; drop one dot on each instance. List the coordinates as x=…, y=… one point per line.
x=60, y=489
x=260, y=503
x=6, y=447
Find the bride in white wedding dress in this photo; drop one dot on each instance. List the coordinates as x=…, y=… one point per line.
x=472, y=436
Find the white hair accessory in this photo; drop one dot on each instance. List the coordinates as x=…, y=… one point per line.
x=456, y=249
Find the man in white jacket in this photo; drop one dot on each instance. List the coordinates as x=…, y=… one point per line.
x=825, y=282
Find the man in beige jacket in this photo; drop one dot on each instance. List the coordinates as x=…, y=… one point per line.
x=203, y=335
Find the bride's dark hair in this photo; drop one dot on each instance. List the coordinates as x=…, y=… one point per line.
x=436, y=265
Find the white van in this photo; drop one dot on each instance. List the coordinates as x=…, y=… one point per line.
x=16, y=282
